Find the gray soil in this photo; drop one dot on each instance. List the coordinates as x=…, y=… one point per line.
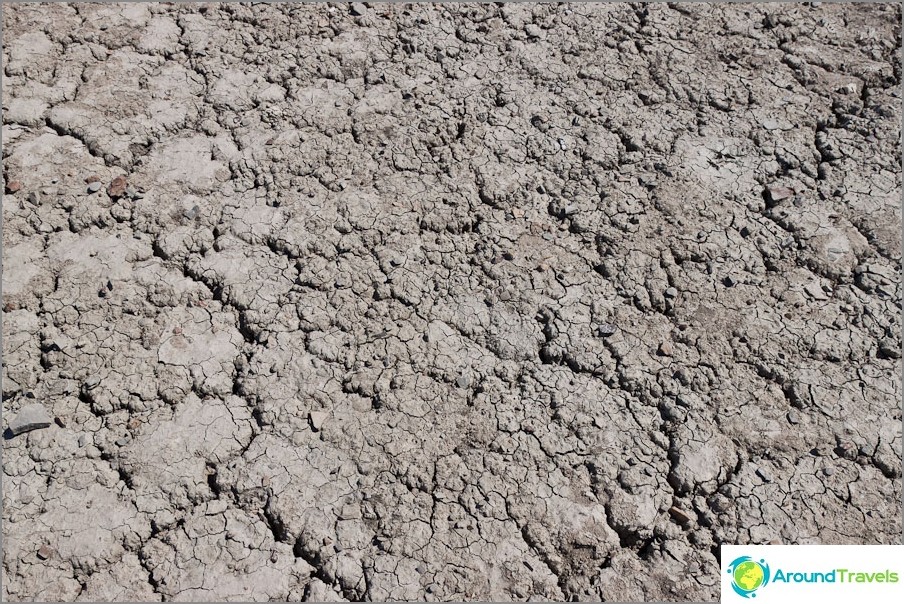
x=444, y=302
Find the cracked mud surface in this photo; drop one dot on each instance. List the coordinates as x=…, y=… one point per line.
x=472, y=301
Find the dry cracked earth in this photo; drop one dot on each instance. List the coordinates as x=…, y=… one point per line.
x=420, y=302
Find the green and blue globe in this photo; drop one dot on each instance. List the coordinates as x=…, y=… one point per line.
x=748, y=575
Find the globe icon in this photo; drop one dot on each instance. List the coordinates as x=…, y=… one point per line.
x=748, y=575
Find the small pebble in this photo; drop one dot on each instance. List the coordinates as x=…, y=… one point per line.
x=604, y=330
x=680, y=515
x=117, y=187
x=122, y=441
x=190, y=214
x=793, y=417
x=666, y=349
x=92, y=382
x=671, y=293
x=463, y=381
x=764, y=474
x=45, y=552
x=777, y=193
x=13, y=186
x=94, y=187
x=828, y=471
x=357, y=9
x=83, y=440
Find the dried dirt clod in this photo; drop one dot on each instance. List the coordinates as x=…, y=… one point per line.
x=117, y=187
x=318, y=419
x=13, y=186
x=30, y=417
x=92, y=178
x=890, y=348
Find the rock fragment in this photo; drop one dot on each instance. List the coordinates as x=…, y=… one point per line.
x=13, y=186
x=680, y=515
x=31, y=417
x=94, y=186
x=778, y=193
x=357, y=9
x=117, y=187
x=604, y=330
x=463, y=381
x=192, y=213
x=666, y=349
x=671, y=292
x=44, y=552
